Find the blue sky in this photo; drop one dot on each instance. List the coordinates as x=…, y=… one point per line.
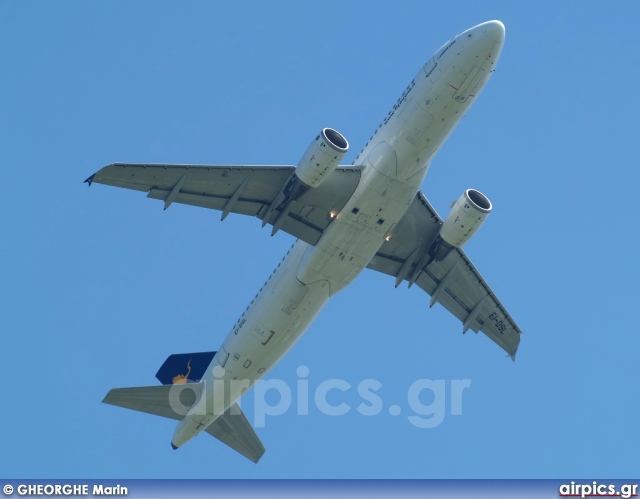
x=100, y=285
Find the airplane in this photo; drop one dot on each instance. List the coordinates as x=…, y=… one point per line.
x=371, y=214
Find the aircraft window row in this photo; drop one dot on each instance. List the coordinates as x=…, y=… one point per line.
x=263, y=286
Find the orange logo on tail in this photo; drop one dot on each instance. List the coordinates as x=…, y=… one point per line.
x=181, y=379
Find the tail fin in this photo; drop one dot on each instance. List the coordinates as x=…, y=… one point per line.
x=232, y=428
x=184, y=367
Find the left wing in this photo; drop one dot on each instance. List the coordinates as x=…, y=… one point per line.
x=247, y=190
x=454, y=282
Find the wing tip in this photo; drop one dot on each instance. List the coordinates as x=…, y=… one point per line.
x=108, y=398
x=90, y=180
x=257, y=455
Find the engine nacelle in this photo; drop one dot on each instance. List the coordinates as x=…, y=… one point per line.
x=322, y=157
x=467, y=215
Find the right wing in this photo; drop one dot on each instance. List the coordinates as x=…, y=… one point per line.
x=247, y=190
x=461, y=290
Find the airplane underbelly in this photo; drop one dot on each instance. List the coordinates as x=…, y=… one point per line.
x=396, y=161
x=308, y=276
x=356, y=234
x=278, y=315
x=271, y=325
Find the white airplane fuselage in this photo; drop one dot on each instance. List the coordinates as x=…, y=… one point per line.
x=395, y=160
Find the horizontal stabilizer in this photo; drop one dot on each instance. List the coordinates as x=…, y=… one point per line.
x=184, y=367
x=232, y=428
x=156, y=400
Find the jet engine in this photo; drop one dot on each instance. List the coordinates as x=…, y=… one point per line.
x=467, y=214
x=322, y=157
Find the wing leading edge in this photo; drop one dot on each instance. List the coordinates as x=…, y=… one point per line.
x=453, y=282
x=247, y=190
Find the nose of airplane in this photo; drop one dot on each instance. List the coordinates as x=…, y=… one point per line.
x=492, y=29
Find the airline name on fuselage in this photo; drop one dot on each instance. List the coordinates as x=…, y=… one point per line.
x=453, y=40
x=402, y=98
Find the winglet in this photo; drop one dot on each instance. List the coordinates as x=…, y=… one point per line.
x=90, y=180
